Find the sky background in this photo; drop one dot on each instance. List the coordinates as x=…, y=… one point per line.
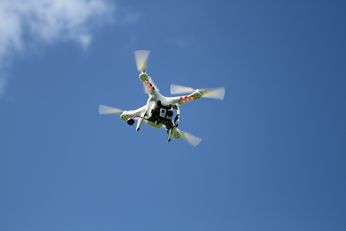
x=273, y=152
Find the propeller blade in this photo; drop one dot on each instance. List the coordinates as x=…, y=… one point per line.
x=191, y=139
x=214, y=93
x=107, y=110
x=141, y=57
x=177, y=89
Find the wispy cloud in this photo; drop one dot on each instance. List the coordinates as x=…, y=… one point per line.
x=25, y=22
x=182, y=41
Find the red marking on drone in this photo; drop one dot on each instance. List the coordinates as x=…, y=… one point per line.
x=149, y=86
x=185, y=99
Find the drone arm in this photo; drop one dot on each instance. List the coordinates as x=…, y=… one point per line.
x=179, y=100
x=133, y=114
x=149, y=86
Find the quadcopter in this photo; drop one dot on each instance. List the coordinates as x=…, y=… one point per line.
x=161, y=111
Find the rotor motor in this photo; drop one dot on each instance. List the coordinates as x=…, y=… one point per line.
x=143, y=76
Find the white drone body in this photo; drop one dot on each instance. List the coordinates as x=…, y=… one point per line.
x=160, y=110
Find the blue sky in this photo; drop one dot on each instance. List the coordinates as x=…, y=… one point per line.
x=273, y=152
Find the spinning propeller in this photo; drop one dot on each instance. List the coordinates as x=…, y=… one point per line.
x=107, y=110
x=191, y=139
x=213, y=93
x=141, y=57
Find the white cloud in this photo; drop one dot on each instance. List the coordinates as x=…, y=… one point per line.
x=47, y=21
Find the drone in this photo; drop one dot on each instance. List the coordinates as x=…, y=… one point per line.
x=161, y=111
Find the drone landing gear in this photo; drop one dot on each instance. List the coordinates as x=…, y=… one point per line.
x=170, y=134
x=140, y=121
